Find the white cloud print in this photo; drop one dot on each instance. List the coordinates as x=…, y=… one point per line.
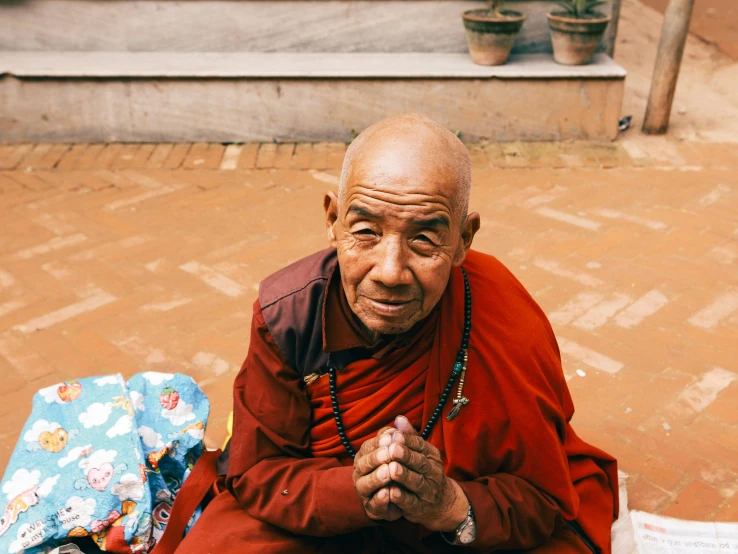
x=77, y=512
x=182, y=413
x=24, y=480
x=122, y=427
x=150, y=438
x=45, y=487
x=97, y=459
x=137, y=401
x=156, y=378
x=75, y=454
x=51, y=394
x=130, y=486
x=108, y=380
x=28, y=535
x=21, y=481
x=96, y=414
x=39, y=427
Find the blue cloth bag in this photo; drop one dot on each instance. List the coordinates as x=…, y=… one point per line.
x=104, y=459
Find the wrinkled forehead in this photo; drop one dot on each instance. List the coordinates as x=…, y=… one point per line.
x=406, y=165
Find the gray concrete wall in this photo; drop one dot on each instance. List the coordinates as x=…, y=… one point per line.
x=254, y=26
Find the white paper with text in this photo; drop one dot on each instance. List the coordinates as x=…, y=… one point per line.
x=665, y=535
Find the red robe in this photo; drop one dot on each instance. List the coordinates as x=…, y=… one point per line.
x=511, y=448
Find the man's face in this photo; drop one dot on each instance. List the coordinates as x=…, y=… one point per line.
x=398, y=234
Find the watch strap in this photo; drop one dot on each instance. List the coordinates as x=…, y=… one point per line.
x=454, y=537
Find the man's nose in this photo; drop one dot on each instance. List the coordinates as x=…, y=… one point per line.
x=391, y=269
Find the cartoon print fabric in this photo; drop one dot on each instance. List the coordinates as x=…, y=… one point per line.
x=104, y=459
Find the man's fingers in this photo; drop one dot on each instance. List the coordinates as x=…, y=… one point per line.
x=379, y=501
x=393, y=513
x=383, y=438
x=368, y=446
x=410, y=458
x=369, y=484
x=367, y=463
x=416, y=443
x=403, y=425
x=410, y=480
x=406, y=501
x=379, y=506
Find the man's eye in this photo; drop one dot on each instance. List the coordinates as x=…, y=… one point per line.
x=425, y=239
x=365, y=232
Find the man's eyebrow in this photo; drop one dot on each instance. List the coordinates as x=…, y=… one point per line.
x=358, y=210
x=438, y=222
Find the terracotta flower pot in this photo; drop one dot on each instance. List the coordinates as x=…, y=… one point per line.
x=490, y=38
x=575, y=40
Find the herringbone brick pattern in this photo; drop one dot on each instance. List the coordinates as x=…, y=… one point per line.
x=122, y=258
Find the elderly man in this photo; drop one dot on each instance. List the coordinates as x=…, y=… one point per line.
x=403, y=393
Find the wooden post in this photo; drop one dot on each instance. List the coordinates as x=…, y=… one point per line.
x=668, y=60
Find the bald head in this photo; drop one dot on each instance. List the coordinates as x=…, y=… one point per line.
x=399, y=223
x=411, y=140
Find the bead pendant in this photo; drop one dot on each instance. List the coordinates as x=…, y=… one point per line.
x=458, y=366
x=458, y=404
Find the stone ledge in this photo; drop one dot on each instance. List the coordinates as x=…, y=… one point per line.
x=302, y=65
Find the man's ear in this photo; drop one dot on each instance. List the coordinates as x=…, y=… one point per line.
x=470, y=228
x=330, y=205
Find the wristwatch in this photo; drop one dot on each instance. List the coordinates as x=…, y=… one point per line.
x=465, y=533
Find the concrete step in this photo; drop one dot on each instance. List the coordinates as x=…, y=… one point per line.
x=254, y=65
x=234, y=97
x=258, y=26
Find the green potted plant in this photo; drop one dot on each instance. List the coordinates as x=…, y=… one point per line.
x=576, y=30
x=491, y=32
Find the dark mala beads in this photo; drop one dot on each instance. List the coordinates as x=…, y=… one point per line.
x=459, y=370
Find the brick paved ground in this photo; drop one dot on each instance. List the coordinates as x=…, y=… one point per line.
x=125, y=258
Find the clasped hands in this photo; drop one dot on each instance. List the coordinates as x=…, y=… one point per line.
x=398, y=474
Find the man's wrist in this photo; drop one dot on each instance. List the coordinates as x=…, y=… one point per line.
x=459, y=509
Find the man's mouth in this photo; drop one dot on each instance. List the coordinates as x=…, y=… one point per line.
x=388, y=306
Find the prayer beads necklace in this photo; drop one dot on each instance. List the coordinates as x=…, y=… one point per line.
x=459, y=371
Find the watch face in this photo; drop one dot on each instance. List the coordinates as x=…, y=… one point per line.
x=468, y=533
